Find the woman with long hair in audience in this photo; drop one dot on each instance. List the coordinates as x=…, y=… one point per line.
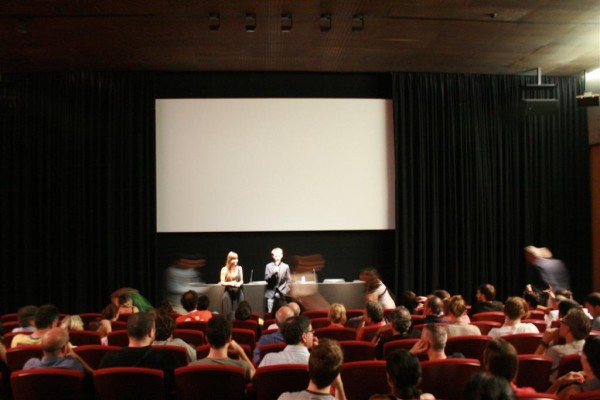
x=337, y=315
x=455, y=314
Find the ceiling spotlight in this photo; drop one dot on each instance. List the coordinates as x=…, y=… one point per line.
x=325, y=22
x=214, y=21
x=250, y=22
x=286, y=22
x=358, y=23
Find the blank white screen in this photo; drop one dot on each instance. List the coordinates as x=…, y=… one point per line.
x=234, y=165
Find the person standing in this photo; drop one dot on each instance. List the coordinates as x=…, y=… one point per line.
x=232, y=279
x=278, y=277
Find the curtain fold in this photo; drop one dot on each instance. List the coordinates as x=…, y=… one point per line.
x=476, y=182
x=78, y=189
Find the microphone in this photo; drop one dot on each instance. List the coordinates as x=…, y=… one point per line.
x=251, y=273
x=315, y=275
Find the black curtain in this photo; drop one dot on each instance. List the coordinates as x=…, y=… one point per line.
x=477, y=181
x=78, y=188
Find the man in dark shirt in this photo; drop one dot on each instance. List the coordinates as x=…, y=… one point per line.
x=400, y=322
x=485, y=300
x=432, y=310
x=140, y=353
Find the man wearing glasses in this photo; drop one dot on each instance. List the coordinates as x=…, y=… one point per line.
x=299, y=338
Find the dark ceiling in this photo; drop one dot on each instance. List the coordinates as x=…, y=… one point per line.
x=562, y=37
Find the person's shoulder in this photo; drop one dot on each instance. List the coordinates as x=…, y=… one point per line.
x=32, y=363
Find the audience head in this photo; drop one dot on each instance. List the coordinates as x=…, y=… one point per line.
x=325, y=363
x=72, y=323
x=436, y=336
x=125, y=300
x=500, y=359
x=55, y=340
x=404, y=374
x=295, y=307
x=110, y=311
x=46, y=316
x=408, y=299
x=218, y=331
x=296, y=331
x=26, y=316
x=374, y=311
x=165, y=325
x=189, y=300
x=141, y=326
x=533, y=299
x=282, y=315
x=565, y=305
x=488, y=387
x=203, y=302
x=400, y=319
x=567, y=294
x=243, y=311
x=442, y=294
x=591, y=355
x=514, y=308
x=592, y=303
x=577, y=323
x=337, y=314
x=456, y=306
x=486, y=292
x=277, y=304
x=433, y=305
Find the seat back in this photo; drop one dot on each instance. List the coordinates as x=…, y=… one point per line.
x=218, y=382
x=202, y=351
x=125, y=383
x=486, y=326
x=394, y=345
x=8, y=336
x=540, y=324
x=81, y=338
x=179, y=352
x=44, y=383
x=591, y=395
x=534, y=371
x=192, y=337
x=318, y=323
x=118, y=325
x=353, y=313
x=196, y=325
x=369, y=332
x=525, y=343
x=118, y=338
x=270, y=348
x=244, y=336
x=89, y=318
x=446, y=379
x=273, y=380
x=92, y=354
x=16, y=357
x=357, y=350
x=497, y=316
x=338, y=334
x=537, y=314
x=362, y=379
x=316, y=314
x=568, y=363
x=9, y=317
x=246, y=324
x=469, y=346
x=10, y=325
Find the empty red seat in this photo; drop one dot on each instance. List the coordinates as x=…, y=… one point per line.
x=218, y=382
x=45, y=383
x=362, y=379
x=125, y=383
x=357, y=350
x=446, y=379
x=338, y=334
x=18, y=356
x=525, y=343
x=81, y=338
x=534, y=371
x=92, y=354
x=273, y=380
x=497, y=316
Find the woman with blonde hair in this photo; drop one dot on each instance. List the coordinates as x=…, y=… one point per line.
x=232, y=279
x=455, y=313
x=337, y=315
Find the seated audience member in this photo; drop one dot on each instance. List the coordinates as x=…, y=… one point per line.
x=514, y=310
x=295, y=307
x=46, y=318
x=433, y=343
x=196, y=307
x=408, y=299
x=403, y=372
x=140, y=353
x=277, y=304
x=299, y=338
x=375, y=289
x=57, y=354
x=72, y=323
x=456, y=310
x=126, y=305
x=488, y=387
x=136, y=298
x=500, y=359
x=218, y=334
x=400, y=322
x=103, y=325
x=283, y=313
x=485, y=300
x=373, y=316
x=337, y=315
x=584, y=381
x=26, y=317
x=574, y=327
x=324, y=367
x=442, y=294
x=165, y=326
x=532, y=297
x=243, y=311
x=432, y=310
x=592, y=303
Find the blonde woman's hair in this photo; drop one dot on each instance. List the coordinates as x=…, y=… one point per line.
x=337, y=314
